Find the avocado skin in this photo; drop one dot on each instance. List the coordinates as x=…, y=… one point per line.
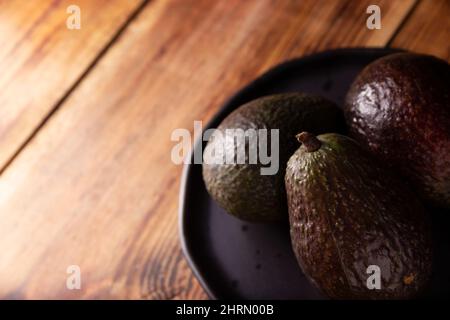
x=240, y=189
x=346, y=213
x=399, y=108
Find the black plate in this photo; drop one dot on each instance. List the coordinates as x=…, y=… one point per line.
x=240, y=260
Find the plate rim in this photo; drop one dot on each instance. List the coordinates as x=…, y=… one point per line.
x=269, y=73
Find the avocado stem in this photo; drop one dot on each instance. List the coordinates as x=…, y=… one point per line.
x=309, y=140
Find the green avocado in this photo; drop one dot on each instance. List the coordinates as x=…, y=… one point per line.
x=399, y=108
x=241, y=188
x=349, y=215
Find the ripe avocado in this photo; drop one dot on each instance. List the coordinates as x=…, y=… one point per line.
x=399, y=108
x=347, y=213
x=240, y=188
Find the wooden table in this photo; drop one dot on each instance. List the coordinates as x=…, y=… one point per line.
x=86, y=115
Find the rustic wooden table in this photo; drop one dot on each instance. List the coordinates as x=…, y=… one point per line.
x=86, y=115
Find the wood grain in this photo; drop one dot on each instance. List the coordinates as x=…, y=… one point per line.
x=96, y=186
x=40, y=58
x=427, y=30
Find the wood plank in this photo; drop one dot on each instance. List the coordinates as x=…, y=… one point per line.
x=40, y=58
x=96, y=187
x=427, y=30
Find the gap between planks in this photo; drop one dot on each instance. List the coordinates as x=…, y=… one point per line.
x=403, y=23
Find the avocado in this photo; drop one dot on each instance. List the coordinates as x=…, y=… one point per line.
x=399, y=108
x=348, y=214
x=241, y=188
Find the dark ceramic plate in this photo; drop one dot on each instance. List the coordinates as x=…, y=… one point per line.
x=238, y=260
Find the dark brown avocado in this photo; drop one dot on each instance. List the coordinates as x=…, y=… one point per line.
x=348, y=213
x=399, y=108
x=241, y=189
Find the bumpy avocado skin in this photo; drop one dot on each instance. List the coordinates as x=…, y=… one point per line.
x=240, y=188
x=399, y=108
x=346, y=213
